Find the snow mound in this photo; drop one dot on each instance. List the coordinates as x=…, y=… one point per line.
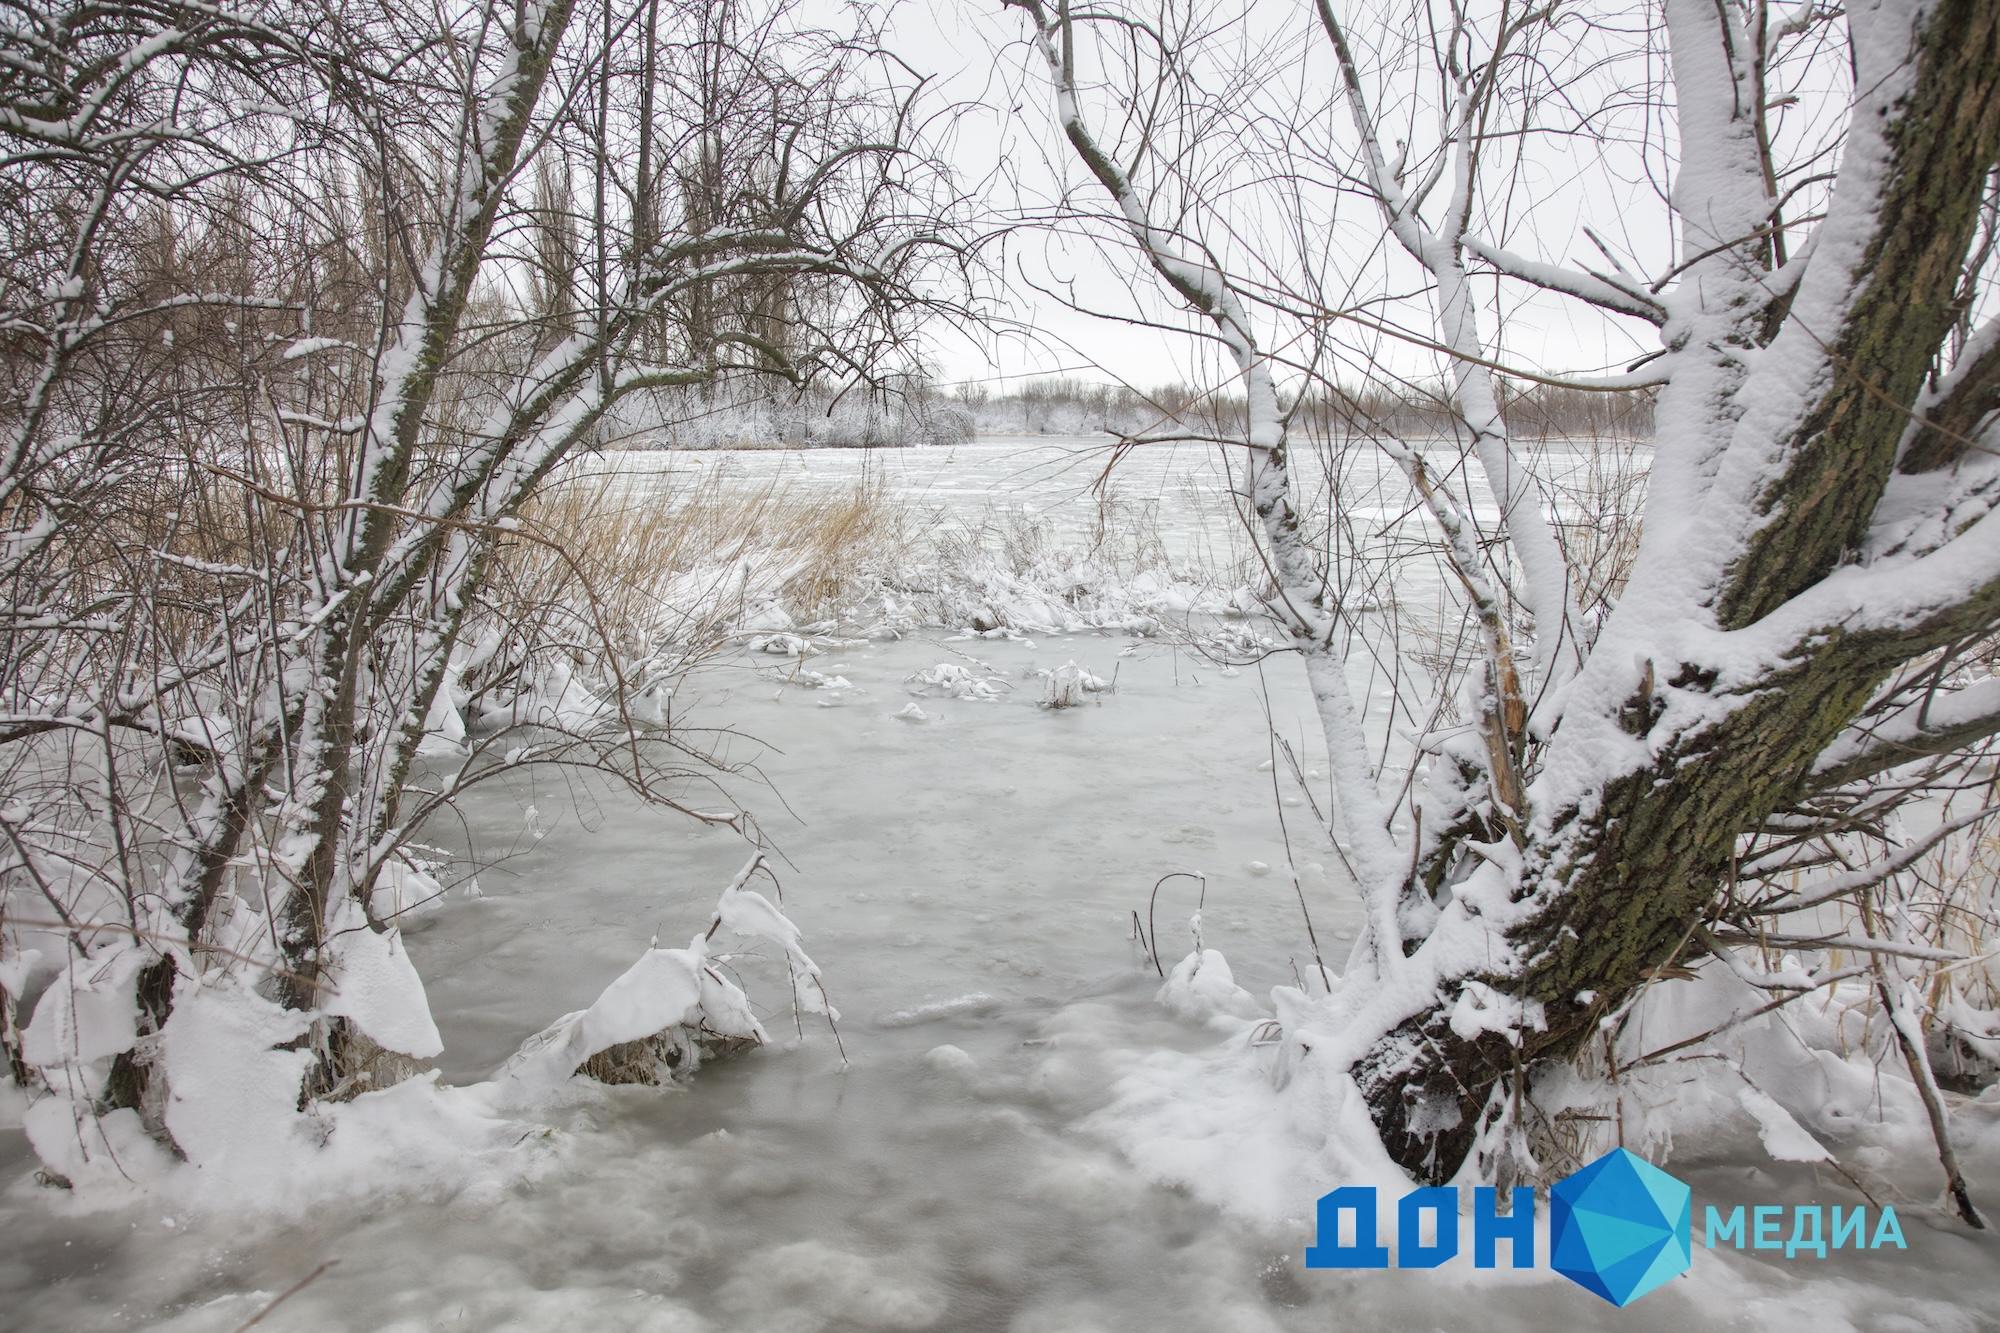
x=766, y=618
x=952, y=681
x=668, y=1009
x=1202, y=987
x=808, y=679
x=1069, y=685
x=784, y=645
x=1782, y=1135
x=94, y=1153
x=1245, y=1130
x=233, y=1094
x=373, y=984
x=670, y=996
x=404, y=892
x=949, y=1059
x=89, y=1011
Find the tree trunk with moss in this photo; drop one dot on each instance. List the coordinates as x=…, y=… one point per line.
x=1617, y=878
x=1817, y=564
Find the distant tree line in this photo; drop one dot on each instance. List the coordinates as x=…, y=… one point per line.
x=1058, y=405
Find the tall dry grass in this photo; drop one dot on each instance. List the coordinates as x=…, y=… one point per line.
x=646, y=557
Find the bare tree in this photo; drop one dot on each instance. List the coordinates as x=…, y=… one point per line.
x=302, y=303
x=1798, y=650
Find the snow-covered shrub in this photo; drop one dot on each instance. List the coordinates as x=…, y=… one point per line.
x=671, y=1009
x=1069, y=685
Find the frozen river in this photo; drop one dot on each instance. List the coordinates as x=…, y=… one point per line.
x=968, y=884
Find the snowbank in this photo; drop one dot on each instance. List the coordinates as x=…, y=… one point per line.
x=243, y=1125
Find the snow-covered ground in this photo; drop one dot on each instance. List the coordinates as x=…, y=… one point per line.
x=1177, y=489
x=967, y=872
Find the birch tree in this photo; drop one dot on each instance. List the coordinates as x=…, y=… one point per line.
x=1797, y=653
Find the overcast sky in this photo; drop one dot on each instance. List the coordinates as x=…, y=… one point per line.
x=1007, y=139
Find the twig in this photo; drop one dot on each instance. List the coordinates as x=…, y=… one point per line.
x=286, y=1295
x=1152, y=932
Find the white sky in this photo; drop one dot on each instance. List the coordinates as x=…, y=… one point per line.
x=1007, y=137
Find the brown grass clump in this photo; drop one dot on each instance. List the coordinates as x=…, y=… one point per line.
x=649, y=556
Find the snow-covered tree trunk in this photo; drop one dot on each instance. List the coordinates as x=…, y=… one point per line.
x=1762, y=619
x=1817, y=552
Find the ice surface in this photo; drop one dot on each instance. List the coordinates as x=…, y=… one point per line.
x=976, y=1005
x=985, y=903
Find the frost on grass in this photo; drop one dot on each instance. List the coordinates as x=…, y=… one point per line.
x=787, y=578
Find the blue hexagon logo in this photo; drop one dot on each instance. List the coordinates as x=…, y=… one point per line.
x=1620, y=1227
